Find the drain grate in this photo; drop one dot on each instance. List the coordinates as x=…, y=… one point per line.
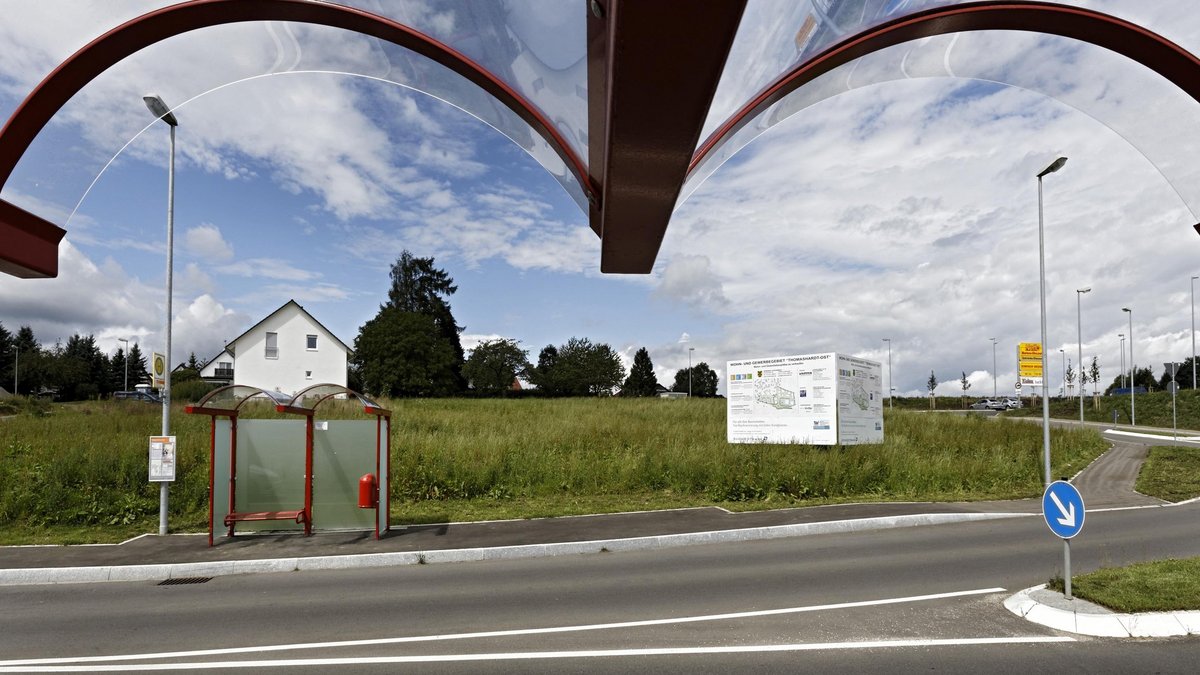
x=177, y=581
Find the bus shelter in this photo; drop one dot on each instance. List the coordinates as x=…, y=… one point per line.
x=296, y=474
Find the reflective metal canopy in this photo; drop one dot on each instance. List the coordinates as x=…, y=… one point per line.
x=629, y=104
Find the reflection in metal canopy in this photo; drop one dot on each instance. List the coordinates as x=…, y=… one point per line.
x=232, y=397
x=580, y=85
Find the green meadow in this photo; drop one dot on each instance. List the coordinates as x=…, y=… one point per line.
x=77, y=472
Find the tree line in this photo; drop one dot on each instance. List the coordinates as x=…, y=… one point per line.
x=73, y=371
x=411, y=348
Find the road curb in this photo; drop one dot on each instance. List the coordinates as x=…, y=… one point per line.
x=157, y=572
x=1146, y=624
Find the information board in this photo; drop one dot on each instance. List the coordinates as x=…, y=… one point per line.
x=813, y=399
x=162, y=459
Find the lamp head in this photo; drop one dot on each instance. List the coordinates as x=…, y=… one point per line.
x=1084, y=290
x=1055, y=166
x=1126, y=309
x=159, y=109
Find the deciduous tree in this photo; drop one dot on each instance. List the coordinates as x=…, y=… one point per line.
x=704, y=381
x=494, y=364
x=404, y=354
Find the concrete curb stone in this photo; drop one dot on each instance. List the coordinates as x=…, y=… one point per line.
x=156, y=572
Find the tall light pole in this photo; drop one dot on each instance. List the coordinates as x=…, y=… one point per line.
x=126, y=360
x=891, y=404
x=1079, y=334
x=16, y=367
x=1054, y=166
x=690, y=350
x=993, y=367
x=1122, y=336
x=163, y=112
x=1194, y=331
x=1132, y=371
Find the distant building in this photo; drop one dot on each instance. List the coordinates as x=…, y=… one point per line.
x=286, y=352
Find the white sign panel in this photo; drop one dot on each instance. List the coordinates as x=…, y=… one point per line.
x=860, y=401
x=815, y=399
x=162, y=459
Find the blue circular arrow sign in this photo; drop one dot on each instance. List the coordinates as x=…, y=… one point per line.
x=1062, y=506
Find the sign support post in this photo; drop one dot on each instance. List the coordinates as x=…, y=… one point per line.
x=1063, y=509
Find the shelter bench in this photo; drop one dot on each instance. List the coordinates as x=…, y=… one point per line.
x=300, y=516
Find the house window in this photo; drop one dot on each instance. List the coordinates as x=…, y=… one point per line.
x=312, y=343
x=308, y=374
x=272, y=345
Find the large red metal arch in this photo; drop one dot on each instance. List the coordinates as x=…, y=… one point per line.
x=651, y=80
x=31, y=250
x=640, y=220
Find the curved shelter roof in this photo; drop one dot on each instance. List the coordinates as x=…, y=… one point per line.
x=629, y=104
x=224, y=400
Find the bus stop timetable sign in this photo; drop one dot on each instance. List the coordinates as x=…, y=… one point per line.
x=162, y=459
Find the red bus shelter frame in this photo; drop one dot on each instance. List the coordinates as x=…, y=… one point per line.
x=305, y=514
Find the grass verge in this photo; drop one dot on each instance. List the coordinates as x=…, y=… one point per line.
x=1160, y=586
x=1170, y=473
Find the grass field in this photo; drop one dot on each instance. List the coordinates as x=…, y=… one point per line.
x=1160, y=586
x=1171, y=473
x=78, y=472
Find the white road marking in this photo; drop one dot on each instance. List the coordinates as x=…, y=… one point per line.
x=494, y=633
x=516, y=656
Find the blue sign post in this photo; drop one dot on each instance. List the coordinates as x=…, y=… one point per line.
x=1063, y=509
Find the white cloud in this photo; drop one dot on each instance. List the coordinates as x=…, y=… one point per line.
x=691, y=279
x=205, y=241
x=268, y=268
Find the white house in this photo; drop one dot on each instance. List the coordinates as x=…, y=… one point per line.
x=287, y=351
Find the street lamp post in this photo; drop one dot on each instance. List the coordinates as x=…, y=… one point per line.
x=163, y=112
x=1194, y=331
x=690, y=350
x=1132, y=371
x=16, y=368
x=993, y=367
x=126, y=360
x=1054, y=166
x=889, y=343
x=1079, y=335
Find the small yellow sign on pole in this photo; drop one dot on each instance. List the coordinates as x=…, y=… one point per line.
x=158, y=368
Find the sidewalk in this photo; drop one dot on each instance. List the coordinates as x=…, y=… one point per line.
x=152, y=557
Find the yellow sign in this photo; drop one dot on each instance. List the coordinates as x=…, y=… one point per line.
x=1030, y=368
x=158, y=366
x=1029, y=351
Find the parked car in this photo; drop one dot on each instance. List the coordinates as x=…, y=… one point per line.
x=146, y=396
x=985, y=404
x=1013, y=403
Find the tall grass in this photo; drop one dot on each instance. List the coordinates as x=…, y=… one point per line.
x=83, y=466
x=537, y=448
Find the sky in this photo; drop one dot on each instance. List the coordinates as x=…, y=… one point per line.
x=898, y=201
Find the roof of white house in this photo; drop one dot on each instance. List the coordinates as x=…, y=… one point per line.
x=229, y=346
x=223, y=352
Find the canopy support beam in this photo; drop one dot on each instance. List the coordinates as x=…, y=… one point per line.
x=653, y=68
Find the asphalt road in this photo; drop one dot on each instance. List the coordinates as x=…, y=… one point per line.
x=772, y=606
